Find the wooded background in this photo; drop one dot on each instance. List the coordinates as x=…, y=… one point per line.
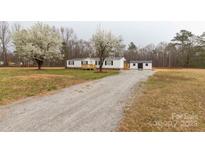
x=184, y=50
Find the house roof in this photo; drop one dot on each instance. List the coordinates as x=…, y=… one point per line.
x=141, y=61
x=110, y=58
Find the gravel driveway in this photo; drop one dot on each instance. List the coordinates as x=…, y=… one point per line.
x=91, y=106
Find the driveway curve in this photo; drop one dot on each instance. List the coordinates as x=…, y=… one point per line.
x=91, y=106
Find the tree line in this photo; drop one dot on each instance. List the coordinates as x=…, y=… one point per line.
x=42, y=44
x=184, y=50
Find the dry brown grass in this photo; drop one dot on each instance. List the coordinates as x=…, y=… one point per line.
x=171, y=100
x=38, y=76
x=18, y=83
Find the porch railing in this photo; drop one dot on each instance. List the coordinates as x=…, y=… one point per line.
x=88, y=66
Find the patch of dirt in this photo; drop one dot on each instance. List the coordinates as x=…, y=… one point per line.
x=38, y=76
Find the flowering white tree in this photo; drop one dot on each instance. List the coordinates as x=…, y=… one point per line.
x=38, y=43
x=105, y=43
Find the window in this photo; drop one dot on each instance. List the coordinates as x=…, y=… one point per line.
x=146, y=64
x=84, y=62
x=96, y=62
x=134, y=64
x=108, y=62
x=70, y=62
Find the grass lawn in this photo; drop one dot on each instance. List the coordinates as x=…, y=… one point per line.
x=17, y=83
x=171, y=100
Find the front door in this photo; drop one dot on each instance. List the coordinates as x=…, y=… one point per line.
x=140, y=65
x=126, y=66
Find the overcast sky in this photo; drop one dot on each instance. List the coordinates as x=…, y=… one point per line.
x=141, y=33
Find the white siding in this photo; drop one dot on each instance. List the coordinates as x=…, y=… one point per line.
x=148, y=67
x=77, y=64
x=117, y=63
x=89, y=60
x=134, y=65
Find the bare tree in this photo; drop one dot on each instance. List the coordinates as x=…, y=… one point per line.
x=68, y=36
x=5, y=39
x=16, y=27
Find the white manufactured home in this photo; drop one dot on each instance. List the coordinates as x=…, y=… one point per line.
x=109, y=63
x=141, y=64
